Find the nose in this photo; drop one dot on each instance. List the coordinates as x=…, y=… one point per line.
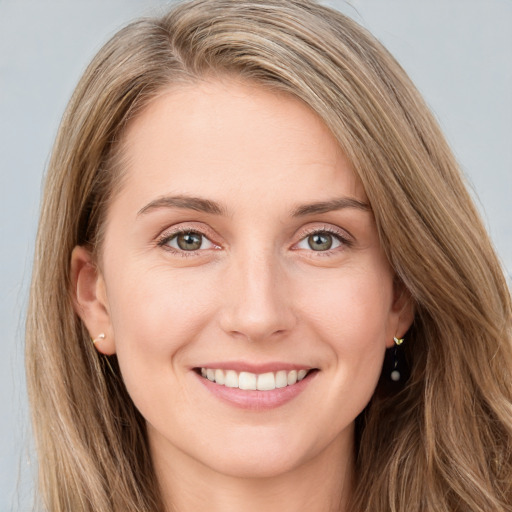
x=257, y=302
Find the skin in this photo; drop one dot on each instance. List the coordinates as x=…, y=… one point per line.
x=255, y=291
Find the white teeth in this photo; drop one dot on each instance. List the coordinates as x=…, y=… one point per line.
x=252, y=381
x=247, y=380
x=219, y=377
x=266, y=382
x=281, y=379
x=231, y=380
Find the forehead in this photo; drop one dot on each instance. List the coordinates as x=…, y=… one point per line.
x=222, y=137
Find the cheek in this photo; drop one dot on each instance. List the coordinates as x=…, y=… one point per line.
x=155, y=313
x=351, y=305
x=351, y=314
x=154, y=303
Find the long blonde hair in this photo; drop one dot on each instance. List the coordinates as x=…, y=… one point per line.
x=443, y=441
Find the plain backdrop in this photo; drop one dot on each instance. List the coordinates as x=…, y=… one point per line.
x=458, y=52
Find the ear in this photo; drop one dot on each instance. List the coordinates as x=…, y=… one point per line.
x=402, y=311
x=90, y=299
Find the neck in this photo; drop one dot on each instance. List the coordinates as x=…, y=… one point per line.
x=321, y=484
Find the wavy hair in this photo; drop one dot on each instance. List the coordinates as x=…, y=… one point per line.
x=443, y=441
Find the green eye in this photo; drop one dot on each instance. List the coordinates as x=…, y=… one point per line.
x=320, y=241
x=185, y=241
x=189, y=241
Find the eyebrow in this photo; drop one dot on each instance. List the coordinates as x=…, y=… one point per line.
x=207, y=206
x=331, y=205
x=186, y=202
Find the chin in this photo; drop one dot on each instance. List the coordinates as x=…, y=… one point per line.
x=260, y=459
x=255, y=468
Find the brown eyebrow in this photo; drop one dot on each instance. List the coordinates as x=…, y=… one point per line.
x=207, y=206
x=331, y=205
x=187, y=202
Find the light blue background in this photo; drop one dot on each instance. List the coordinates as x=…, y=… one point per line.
x=459, y=53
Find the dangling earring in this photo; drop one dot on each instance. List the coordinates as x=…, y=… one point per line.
x=395, y=373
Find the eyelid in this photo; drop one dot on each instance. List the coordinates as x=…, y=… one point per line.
x=344, y=237
x=168, y=234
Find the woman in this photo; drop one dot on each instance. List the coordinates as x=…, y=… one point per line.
x=279, y=294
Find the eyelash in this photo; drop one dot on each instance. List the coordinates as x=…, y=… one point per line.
x=337, y=234
x=167, y=237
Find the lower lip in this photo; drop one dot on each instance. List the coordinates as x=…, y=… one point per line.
x=254, y=399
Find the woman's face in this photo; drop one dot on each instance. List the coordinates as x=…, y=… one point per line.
x=241, y=246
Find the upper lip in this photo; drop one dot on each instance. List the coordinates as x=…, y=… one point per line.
x=242, y=366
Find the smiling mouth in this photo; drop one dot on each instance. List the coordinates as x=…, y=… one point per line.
x=254, y=381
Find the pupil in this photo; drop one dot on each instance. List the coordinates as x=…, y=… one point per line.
x=320, y=242
x=189, y=241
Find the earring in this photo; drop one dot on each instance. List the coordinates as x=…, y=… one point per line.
x=98, y=338
x=395, y=373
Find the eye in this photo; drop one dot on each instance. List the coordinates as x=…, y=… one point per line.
x=187, y=241
x=321, y=241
